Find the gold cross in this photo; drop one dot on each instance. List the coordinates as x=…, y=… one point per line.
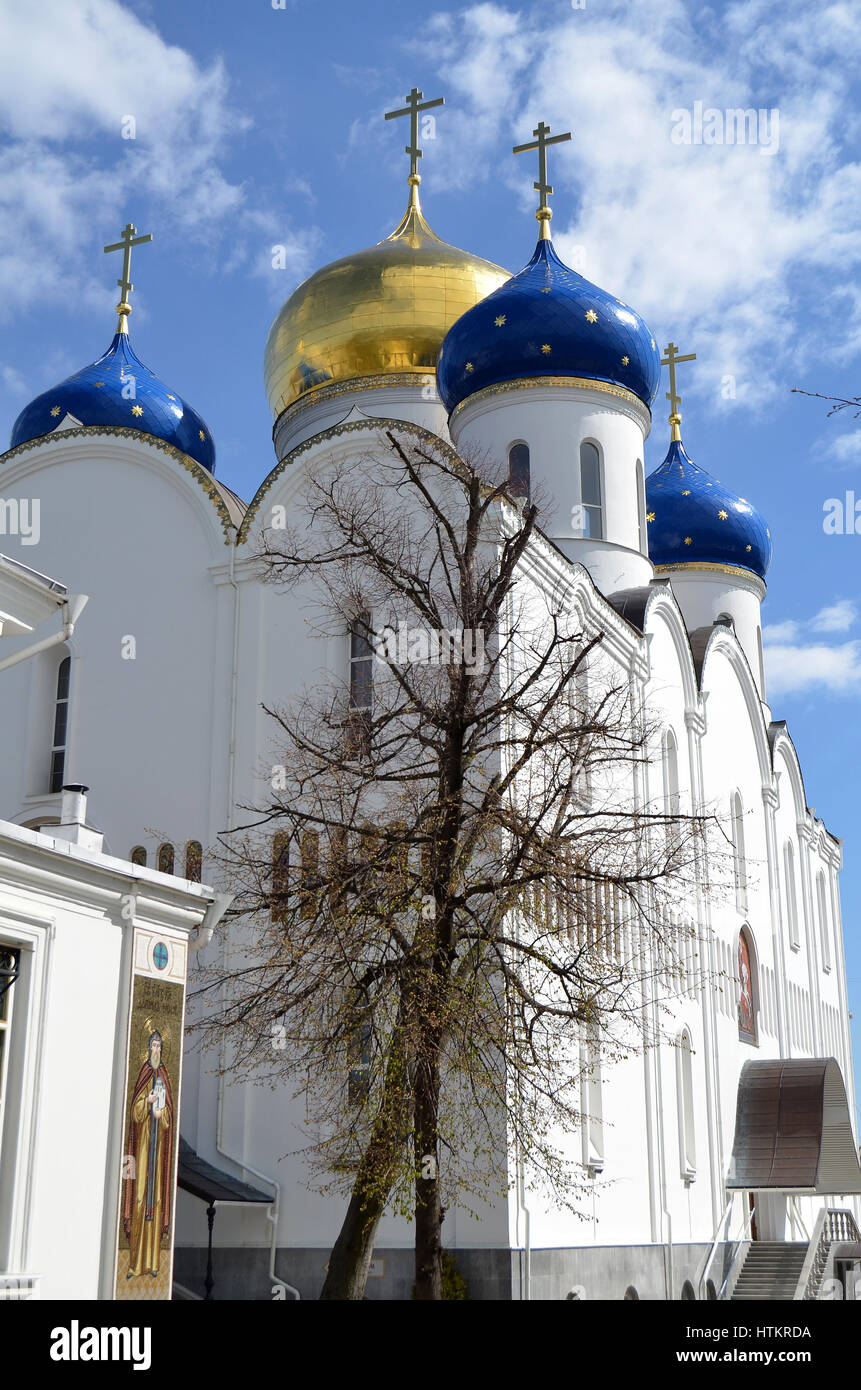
x=671, y=360
x=129, y=239
x=542, y=187
x=413, y=107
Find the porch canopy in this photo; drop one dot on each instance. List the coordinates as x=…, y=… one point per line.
x=792, y=1129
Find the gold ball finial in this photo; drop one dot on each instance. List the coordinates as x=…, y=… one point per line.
x=543, y=216
x=415, y=180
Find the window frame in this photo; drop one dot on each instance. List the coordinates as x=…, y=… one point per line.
x=588, y=508
x=59, y=749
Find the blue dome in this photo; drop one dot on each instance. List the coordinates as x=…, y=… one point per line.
x=694, y=520
x=547, y=321
x=95, y=396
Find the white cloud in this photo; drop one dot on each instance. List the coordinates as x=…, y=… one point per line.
x=708, y=241
x=69, y=80
x=793, y=669
x=796, y=661
x=841, y=450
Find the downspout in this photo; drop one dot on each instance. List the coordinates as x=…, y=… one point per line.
x=526, y=1266
x=71, y=611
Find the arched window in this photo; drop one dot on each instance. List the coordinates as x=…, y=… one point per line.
x=361, y=683
x=138, y=856
x=165, y=859
x=193, y=860
x=711, y=1291
x=641, y=511
x=310, y=861
x=685, y=1090
x=631, y=1295
x=824, y=926
x=791, y=899
x=671, y=773
x=280, y=876
x=590, y=491
x=518, y=469
x=738, y=855
x=761, y=662
x=688, y=1295
x=748, y=988
x=61, y=725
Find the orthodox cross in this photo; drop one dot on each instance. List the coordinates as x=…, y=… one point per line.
x=129, y=239
x=671, y=360
x=543, y=138
x=413, y=107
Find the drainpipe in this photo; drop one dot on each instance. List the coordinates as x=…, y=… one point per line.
x=214, y=913
x=526, y=1257
x=71, y=611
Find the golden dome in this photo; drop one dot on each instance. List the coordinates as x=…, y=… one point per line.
x=380, y=311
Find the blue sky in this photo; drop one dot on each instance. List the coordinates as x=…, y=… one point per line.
x=258, y=126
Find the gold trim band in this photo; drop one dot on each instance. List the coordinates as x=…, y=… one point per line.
x=712, y=565
x=534, y=383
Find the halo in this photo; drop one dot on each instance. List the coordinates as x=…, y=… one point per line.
x=150, y=1026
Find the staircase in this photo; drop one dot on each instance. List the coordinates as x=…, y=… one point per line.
x=770, y=1271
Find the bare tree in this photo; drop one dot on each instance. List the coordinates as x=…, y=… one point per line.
x=451, y=893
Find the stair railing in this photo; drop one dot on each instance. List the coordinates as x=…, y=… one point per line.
x=719, y=1239
x=832, y=1224
x=742, y=1246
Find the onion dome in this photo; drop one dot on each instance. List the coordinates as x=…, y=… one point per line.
x=548, y=321
x=695, y=522
x=378, y=312
x=118, y=389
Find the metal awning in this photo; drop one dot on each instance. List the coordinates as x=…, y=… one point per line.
x=793, y=1132
x=210, y=1184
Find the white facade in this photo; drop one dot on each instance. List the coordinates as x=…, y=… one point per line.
x=182, y=646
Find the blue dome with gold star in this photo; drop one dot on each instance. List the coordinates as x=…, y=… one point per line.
x=694, y=520
x=119, y=389
x=548, y=321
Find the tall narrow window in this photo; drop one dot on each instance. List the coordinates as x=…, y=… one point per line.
x=592, y=1108
x=761, y=662
x=748, y=988
x=641, y=510
x=685, y=1085
x=738, y=853
x=138, y=856
x=193, y=860
x=280, y=876
x=359, y=1081
x=824, y=927
x=791, y=899
x=9, y=966
x=165, y=859
x=590, y=491
x=518, y=470
x=361, y=683
x=671, y=773
x=61, y=724
x=310, y=858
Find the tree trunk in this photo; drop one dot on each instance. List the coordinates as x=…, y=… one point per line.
x=428, y=1206
x=350, y=1259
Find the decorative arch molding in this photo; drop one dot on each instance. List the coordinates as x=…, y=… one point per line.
x=369, y=425
x=706, y=642
x=781, y=745
x=640, y=608
x=748, y=1016
x=205, y=480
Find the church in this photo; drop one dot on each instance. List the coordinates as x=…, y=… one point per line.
x=721, y=1163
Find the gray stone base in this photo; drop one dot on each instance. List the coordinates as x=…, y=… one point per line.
x=586, y=1272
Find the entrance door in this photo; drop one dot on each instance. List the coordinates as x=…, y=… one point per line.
x=754, y=1225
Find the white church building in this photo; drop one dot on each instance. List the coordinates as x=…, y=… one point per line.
x=724, y=1160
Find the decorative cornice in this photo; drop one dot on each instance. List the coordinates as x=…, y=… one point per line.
x=535, y=383
x=327, y=389
x=190, y=465
x=376, y=422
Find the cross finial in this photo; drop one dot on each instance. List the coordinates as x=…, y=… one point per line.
x=671, y=360
x=413, y=107
x=129, y=239
x=543, y=138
